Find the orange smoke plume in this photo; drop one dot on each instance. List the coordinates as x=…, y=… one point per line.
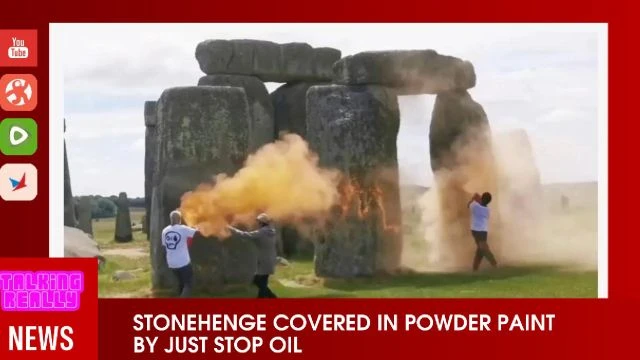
x=282, y=179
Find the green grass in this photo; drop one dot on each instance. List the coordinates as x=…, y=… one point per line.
x=298, y=279
x=104, y=231
x=138, y=287
x=520, y=282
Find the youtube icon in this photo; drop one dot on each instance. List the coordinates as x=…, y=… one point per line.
x=18, y=48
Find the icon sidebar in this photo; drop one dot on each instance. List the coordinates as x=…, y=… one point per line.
x=18, y=135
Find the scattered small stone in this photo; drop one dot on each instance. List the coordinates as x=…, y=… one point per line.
x=123, y=275
x=291, y=283
x=307, y=280
x=282, y=261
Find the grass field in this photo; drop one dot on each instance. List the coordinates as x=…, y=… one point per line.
x=297, y=280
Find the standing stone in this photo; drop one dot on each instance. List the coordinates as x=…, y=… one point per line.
x=202, y=132
x=150, y=157
x=69, y=208
x=457, y=123
x=564, y=202
x=290, y=106
x=145, y=224
x=518, y=172
x=123, y=219
x=261, y=126
x=409, y=72
x=268, y=61
x=84, y=215
x=520, y=190
x=463, y=164
x=354, y=129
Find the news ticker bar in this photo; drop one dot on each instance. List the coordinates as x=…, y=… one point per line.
x=50, y=305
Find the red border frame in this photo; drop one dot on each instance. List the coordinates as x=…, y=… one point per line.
x=589, y=327
x=23, y=15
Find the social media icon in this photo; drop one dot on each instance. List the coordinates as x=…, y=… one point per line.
x=18, y=136
x=18, y=182
x=18, y=92
x=18, y=48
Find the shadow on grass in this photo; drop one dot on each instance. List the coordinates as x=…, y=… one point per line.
x=327, y=296
x=251, y=293
x=427, y=280
x=348, y=288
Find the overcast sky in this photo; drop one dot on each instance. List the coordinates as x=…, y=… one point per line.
x=542, y=78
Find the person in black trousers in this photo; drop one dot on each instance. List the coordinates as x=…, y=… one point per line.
x=265, y=239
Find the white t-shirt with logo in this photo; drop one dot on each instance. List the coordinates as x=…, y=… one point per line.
x=479, y=217
x=174, y=239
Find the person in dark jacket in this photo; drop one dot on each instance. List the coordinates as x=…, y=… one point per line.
x=265, y=240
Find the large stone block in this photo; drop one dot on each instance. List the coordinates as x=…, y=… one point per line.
x=354, y=129
x=409, y=72
x=268, y=61
x=150, y=113
x=79, y=244
x=290, y=106
x=520, y=197
x=463, y=164
x=150, y=157
x=203, y=131
x=84, y=215
x=123, y=219
x=290, y=109
x=69, y=205
x=261, y=126
x=459, y=126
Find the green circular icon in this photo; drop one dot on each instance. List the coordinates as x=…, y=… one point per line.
x=18, y=136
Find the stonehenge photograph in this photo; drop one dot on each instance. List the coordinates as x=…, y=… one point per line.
x=335, y=160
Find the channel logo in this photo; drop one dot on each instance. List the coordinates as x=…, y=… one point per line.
x=18, y=182
x=18, y=137
x=18, y=48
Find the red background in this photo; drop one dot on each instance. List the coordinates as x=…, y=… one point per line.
x=583, y=328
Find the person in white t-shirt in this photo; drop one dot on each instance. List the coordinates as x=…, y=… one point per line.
x=480, y=228
x=176, y=239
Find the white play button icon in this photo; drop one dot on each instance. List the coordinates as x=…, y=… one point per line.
x=17, y=135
